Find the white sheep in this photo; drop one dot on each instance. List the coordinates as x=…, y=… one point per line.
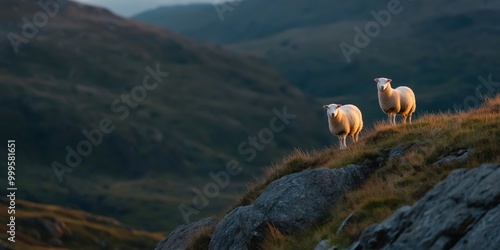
x=400, y=100
x=344, y=120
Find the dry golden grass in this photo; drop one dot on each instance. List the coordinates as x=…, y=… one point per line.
x=201, y=239
x=274, y=236
x=401, y=181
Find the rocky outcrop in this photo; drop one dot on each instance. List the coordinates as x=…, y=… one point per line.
x=179, y=238
x=461, y=155
x=288, y=204
x=462, y=212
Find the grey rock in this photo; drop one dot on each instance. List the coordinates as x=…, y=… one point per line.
x=324, y=245
x=461, y=212
x=396, y=152
x=484, y=234
x=180, y=237
x=289, y=204
x=461, y=155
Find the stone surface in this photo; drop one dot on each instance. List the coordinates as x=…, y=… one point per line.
x=179, y=238
x=397, y=152
x=461, y=212
x=324, y=245
x=461, y=155
x=289, y=204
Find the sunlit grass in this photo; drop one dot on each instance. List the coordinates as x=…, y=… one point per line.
x=401, y=181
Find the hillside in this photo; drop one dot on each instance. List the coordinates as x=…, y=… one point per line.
x=76, y=74
x=48, y=227
x=240, y=23
x=295, y=207
x=433, y=46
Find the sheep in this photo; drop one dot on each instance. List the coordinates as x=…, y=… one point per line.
x=400, y=100
x=344, y=120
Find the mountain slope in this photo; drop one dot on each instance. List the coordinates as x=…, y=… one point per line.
x=205, y=90
x=248, y=20
x=77, y=72
x=432, y=46
x=404, y=162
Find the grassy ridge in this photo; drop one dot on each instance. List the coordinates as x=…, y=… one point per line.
x=401, y=181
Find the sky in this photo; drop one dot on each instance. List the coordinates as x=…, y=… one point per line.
x=128, y=8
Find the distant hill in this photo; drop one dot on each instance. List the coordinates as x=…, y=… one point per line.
x=73, y=74
x=249, y=20
x=439, y=48
x=48, y=227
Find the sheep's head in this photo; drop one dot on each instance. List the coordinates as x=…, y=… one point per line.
x=332, y=110
x=383, y=83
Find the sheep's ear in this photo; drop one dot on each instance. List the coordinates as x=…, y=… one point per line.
x=376, y=79
x=325, y=106
x=389, y=80
x=339, y=105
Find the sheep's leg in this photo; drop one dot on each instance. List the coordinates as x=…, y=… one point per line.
x=355, y=137
x=392, y=120
x=345, y=139
x=410, y=117
x=342, y=141
x=404, y=118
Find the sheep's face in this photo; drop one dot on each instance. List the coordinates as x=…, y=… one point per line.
x=383, y=83
x=332, y=110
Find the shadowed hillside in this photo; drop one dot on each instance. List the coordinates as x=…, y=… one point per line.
x=439, y=48
x=175, y=109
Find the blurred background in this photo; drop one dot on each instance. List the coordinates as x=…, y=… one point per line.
x=229, y=65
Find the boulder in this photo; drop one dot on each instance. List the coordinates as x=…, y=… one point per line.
x=288, y=204
x=462, y=212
